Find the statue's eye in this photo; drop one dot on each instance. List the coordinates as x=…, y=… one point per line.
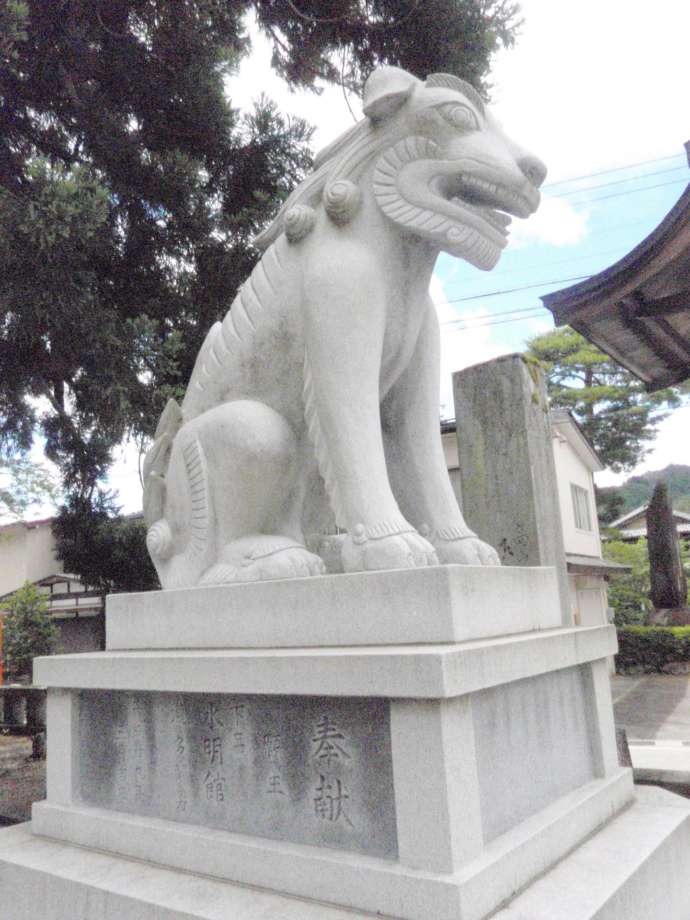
x=460, y=116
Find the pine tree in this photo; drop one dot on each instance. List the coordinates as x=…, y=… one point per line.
x=617, y=414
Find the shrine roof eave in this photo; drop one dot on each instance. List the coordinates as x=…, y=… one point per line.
x=638, y=310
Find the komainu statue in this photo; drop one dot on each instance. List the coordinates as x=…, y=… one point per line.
x=315, y=400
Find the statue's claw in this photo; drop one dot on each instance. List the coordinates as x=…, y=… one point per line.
x=468, y=550
x=398, y=551
x=263, y=558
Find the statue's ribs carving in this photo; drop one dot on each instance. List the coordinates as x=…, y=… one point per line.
x=316, y=436
x=229, y=341
x=195, y=465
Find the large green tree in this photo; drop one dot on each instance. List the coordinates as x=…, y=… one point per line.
x=129, y=193
x=343, y=40
x=617, y=414
x=130, y=188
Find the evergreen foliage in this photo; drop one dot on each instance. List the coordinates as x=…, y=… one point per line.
x=629, y=594
x=130, y=191
x=28, y=631
x=669, y=586
x=105, y=548
x=653, y=649
x=343, y=40
x=616, y=413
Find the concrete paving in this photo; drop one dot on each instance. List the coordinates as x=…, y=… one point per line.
x=654, y=709
x=653, y=706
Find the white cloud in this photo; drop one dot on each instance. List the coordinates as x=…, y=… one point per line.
x=595, y=84
x=556, y=223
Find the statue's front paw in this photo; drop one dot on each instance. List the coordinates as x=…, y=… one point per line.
x=406, y=550
x=259, y=557
x=466, y=551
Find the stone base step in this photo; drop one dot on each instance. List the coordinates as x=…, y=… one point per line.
x=635, y=868
x=41, y=879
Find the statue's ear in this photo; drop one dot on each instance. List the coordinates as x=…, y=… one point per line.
x=386, y=90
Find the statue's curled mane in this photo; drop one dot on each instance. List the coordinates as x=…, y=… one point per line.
x=337, y=169
x=339, y=166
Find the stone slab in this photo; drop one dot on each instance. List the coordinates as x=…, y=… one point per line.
x=43, y=879
x=533, y=743
x=307, y=769
x=424, y=671
x=661, y=762
x=450, y=603
x=635, y=868
x=361, y=882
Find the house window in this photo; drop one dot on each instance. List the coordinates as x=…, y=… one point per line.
x=583, y=520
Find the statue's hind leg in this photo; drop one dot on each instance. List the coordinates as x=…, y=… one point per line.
x=224, y=499
x=251, y=455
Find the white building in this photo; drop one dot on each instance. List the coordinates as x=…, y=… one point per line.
x=633, y=525
x=27, y=553
x=575, y=462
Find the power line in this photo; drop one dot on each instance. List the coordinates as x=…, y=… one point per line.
x=532, y=265
x=500, y=322
x=588, y=188
x=632, y=191
x=609, y=231
x=524, y=287
x=466, y=319
x=606, y=172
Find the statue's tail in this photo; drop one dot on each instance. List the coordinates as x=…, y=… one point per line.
x=194, y=547
x=157, y=460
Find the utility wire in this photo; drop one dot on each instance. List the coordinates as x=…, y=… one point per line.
x=609, y=231
x=533, y=312
x=632, y=191
x=500, y=322
x=469, y=319
x=606, y=172
x=588, y=188
x=538, y=265
x=523, y=287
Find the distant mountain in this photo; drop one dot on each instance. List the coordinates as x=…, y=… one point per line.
x=614, y=501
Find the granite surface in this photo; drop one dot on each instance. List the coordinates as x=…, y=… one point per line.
x=309, y=769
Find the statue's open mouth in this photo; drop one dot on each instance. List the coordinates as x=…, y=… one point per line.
x=459, y=203
x=477, y=198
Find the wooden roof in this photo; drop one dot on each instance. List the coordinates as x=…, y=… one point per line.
x=638, y=310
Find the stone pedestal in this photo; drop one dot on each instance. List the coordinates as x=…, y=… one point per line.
x=419, y=744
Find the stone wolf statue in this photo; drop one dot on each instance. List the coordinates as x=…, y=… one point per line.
x=315, y=401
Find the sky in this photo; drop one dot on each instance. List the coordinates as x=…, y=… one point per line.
x=598, y=89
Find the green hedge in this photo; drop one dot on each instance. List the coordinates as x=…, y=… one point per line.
x=649, y=649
